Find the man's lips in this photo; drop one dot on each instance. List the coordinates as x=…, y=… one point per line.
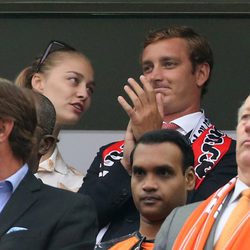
x=150, y=199
x=160, y=89
x=246, y=142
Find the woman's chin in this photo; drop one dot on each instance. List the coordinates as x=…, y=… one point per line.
x=70, y=121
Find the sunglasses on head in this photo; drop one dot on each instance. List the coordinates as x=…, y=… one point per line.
x=52, y=47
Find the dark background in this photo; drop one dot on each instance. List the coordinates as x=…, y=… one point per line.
x=111, y=33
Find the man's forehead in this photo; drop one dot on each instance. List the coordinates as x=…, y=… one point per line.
x=171, y=47
x=246, y=106
x=157, y=154
x=248, y=102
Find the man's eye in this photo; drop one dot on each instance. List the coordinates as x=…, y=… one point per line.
x=164, y=172
x=169, y=64
x=146, y=69
x=245, y=117
x=138, y=172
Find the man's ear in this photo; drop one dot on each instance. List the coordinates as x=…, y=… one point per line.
x=190, y=178
x=37, y=82
x=202, y=74
x=6, y=126
x=46, y=143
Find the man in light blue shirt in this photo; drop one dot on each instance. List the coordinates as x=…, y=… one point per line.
x=46, y=118
x=8, y=186
x=34, y=215
x=6, y=189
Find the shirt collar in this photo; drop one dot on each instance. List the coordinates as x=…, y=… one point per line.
x=48, y=165
x=188, y=122
x=54, y=163
x=239, y=187
x=17, y=177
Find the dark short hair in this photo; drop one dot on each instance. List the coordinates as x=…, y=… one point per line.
x=199, y=48
x=171, y=136
x=18, y=105
x=46, y=113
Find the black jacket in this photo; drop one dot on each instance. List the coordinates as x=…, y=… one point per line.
x=108, y=184
x=41, y=217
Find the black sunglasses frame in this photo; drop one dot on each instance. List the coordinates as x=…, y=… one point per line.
x=48, y=51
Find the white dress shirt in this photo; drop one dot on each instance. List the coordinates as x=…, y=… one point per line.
x=239, y=187
x=188, y=122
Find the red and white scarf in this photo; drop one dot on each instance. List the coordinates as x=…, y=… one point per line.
x=208, y=149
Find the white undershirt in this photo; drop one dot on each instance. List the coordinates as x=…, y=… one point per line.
x=239, y=187
x=188, y=122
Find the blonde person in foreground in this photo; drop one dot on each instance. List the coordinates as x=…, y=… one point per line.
x=223, y=220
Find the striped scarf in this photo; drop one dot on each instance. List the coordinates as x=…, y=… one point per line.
x=196, y=229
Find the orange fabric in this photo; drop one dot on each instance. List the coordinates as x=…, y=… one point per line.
x=195, y=231
x=126, y=244
x=147, y=246
x=130, y=243
x=237, y=218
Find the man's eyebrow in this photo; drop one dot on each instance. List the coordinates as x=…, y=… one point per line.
x=146, y=62
x=158, y=167
x=163, y=58
x=166, y=166
x=136, y=167
x=167, y=58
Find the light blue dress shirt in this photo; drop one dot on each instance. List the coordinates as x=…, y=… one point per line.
x=8, y=186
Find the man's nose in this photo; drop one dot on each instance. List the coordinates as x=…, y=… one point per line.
x=150, y=184
x=156, y=76
x=247, y=125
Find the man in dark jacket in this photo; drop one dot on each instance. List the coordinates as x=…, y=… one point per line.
x=176, y=64
x=34, y=215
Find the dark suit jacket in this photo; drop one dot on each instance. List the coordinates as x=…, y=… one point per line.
x=112, y=196
x=54, y=219
x=174, y=222
x=112, y=193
